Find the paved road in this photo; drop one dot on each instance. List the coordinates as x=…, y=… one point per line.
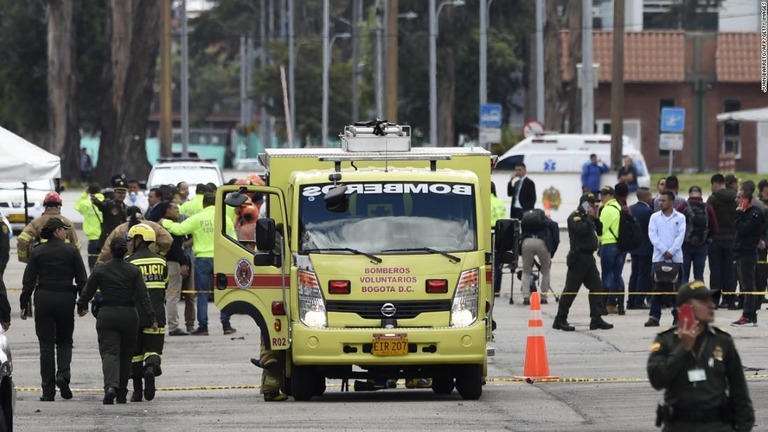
x=208, y=382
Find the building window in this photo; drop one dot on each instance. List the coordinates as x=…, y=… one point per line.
x=664, y=103
x=732, y=129
x=631, y=130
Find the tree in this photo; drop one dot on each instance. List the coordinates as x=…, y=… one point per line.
x=62, y=87
x=133, y=29
x=23, y=88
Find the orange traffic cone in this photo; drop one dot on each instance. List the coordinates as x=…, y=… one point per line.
x=547, y=207
x=536, y=363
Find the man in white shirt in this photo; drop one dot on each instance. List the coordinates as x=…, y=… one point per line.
x=666, y=231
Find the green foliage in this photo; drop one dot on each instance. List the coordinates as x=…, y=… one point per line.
x=23, y=89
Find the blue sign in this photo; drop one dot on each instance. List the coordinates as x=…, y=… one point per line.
x=672, y=120
x=490, y=116
x=550, y=165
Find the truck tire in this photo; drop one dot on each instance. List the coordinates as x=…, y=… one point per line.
x=469, y=381
x=318, y=383
x=302, y=383
x=442, y=384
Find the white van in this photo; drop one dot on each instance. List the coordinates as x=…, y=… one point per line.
x=554, y=162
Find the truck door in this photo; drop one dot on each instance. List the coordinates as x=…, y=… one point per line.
x=252, y=262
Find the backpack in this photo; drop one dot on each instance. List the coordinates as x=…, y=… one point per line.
x=629, y=236
x=533, y=220
x=696, y=223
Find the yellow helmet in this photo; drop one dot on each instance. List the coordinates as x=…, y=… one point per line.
x=145, y=231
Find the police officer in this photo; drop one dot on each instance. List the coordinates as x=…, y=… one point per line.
x=92, y=218
x=52, y=267
x=121, y=285
x=113, y=210
x=31, y=232
x=583, y=228
x=700, y=371
x=149, y=341
x=5, y=253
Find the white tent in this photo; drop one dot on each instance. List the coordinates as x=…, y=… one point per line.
x=760, y=116
x=22, y=161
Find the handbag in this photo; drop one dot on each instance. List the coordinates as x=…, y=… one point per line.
x=666, y=272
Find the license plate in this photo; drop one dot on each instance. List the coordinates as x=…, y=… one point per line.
x=16, y=218
x=390, y=346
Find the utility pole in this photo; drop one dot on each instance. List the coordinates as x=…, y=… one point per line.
x=617, y=85
x=432, y=74
x=391, y=75
x=356, y=12
x=166, y=101
x=379, y=73
x=540, y=60
x=263, y=121
x=326, y=66
x=587, y=87
x=291, y=74
x=184, y=81
x=483, y=53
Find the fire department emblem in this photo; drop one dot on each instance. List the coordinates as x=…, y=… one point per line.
x=243, y=274
x=551, y=198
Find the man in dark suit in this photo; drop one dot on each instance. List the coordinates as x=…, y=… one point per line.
x=642, y=262
x=522, y=192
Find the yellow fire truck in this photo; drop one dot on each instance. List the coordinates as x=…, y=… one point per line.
x=374, y=262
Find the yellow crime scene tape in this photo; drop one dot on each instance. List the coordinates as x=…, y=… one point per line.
x=401, y=383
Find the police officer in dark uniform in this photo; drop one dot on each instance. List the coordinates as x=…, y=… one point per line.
x=700, y=371
x=5, y=253
x=583, y=228
x=113, y=210
x=123, y=290
x=149, y=341
x=51, y=268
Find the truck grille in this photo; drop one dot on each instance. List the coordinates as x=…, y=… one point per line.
x=372, y=309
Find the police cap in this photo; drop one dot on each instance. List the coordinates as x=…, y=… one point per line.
x=693, y=290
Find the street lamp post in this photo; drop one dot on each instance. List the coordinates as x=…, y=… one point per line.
x=326, y=70
x=434, y=15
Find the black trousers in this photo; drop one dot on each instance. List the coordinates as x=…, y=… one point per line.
x=54, y=325
x=582, y=270
x=116, y=327
x=93, y=252
x=746, y=267
x=149, y=349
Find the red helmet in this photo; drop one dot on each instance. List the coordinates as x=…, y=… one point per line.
x=52, y=199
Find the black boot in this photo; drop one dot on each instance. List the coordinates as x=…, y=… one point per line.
x=122, y=395
x=138, y=372
x=109, y=396
x=149, y=382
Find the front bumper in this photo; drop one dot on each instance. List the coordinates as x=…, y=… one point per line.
x=336, y=346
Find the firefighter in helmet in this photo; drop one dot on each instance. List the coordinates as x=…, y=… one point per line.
x=149, y=341
x=30, y=236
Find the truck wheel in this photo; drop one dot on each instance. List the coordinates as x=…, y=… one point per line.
x=318, y=383
x=302, y=387
x=469, y=382
x=442, y=385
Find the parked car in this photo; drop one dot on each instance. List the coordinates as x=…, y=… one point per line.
x=192, y=171
x=7, y=388
x=12, y=201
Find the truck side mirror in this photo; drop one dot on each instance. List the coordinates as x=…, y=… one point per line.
x=265, y=234
x=336, y=199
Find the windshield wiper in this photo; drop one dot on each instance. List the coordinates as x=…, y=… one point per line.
x=373, y=258
x=454, y=259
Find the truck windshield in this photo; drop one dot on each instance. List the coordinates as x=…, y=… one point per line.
x=390, y=217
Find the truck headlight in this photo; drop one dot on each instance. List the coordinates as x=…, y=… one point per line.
x=311, y=303
x=465, y=300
